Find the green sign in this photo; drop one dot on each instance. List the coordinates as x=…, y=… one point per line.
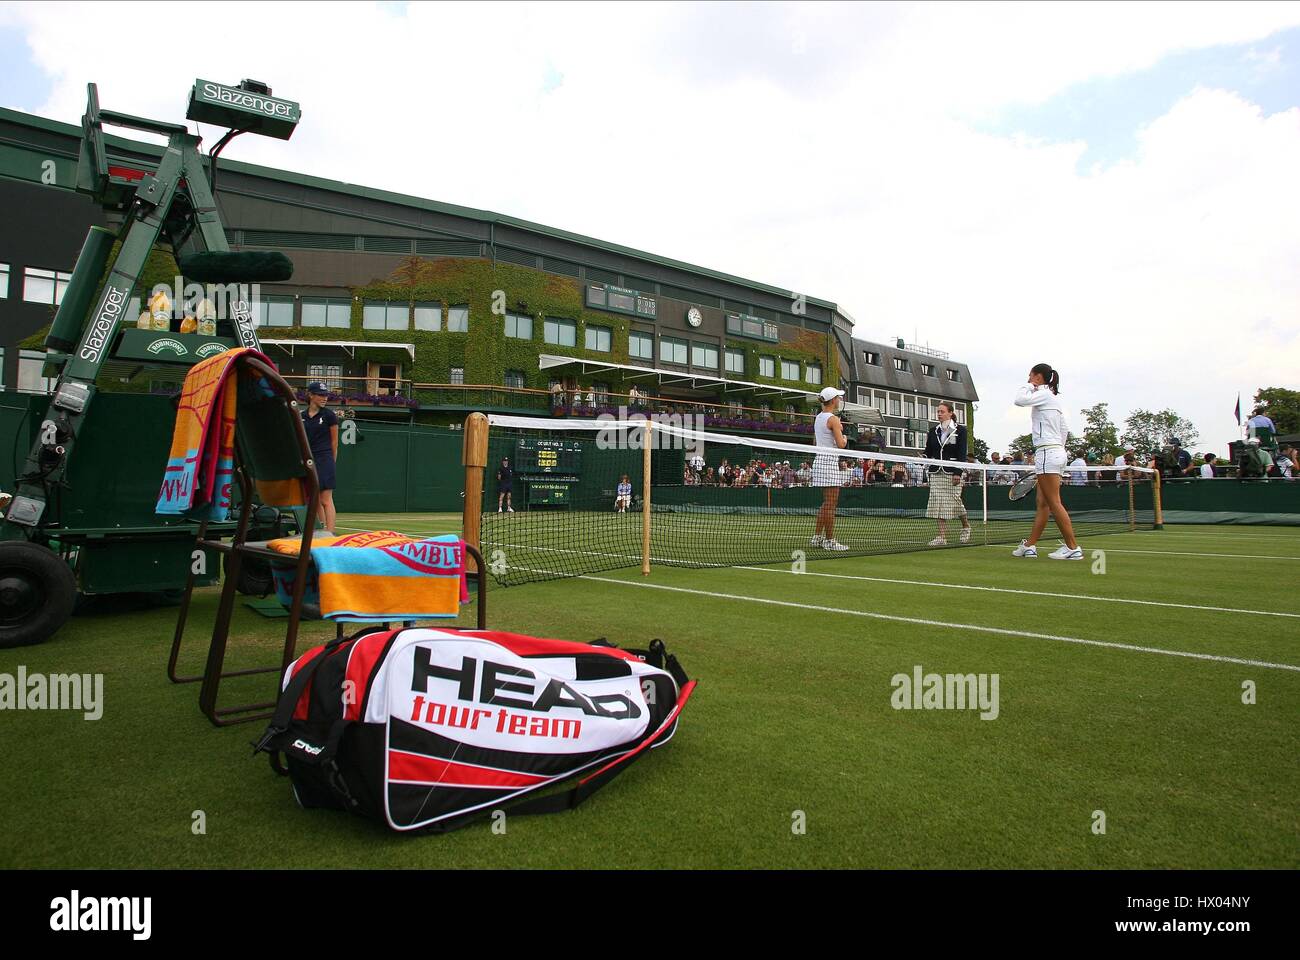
x=160, y=345
x=242, y=109
x=556, y=494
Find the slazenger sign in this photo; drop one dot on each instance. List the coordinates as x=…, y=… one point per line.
x=259, y=103
x=107, y=314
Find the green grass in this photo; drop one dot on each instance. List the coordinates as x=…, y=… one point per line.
x=792, y=714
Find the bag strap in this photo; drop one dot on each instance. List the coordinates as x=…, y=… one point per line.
x=293, y=691
x=571, y=798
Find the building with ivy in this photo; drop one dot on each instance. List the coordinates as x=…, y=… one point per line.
x=414, y=308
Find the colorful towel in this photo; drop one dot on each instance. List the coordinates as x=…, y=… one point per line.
x=376, y=576
x=200, y=466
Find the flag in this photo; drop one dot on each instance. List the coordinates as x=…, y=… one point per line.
x=1237, y=412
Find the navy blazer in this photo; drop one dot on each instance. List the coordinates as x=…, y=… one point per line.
x=955, y=449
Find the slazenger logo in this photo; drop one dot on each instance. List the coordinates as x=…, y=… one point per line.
x=210, y=349
x=270, y=106
x=306, y=747
x=106, y=317
x=174, y=346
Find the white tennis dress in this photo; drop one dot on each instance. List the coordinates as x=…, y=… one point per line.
x=826, y=466
x=1048, y=426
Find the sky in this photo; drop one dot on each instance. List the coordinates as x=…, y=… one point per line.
x=1113, y=189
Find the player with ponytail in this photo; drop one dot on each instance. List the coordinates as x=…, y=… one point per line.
x=1049, y=432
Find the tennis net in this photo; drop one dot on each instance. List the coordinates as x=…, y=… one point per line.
x=587, y=496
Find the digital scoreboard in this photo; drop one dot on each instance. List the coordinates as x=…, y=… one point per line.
x=533, y=456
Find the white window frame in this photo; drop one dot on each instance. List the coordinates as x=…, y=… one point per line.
x=673, y=344
x=385, y=315
x=767, y=366
x=4, y=282
x=594, y=335
x=700, y=353
x=735, y=360
x=456, y=376
x=427, y=307
x=57, y=279
x=515, y=320
x=334, y=310
x=458, y=318
x=553, y=329
x=640, y=337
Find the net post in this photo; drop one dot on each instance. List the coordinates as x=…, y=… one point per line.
x=1155, y=494
x=474, y=458
x=984, y=487
x=645, y=498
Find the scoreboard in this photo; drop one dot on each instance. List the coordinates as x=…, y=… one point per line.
x=548, y=456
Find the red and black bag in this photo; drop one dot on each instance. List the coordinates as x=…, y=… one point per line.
x=427, y=729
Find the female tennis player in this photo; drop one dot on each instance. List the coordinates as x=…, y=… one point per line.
x=826, y=468
x=1048, y=429
x=947, y=441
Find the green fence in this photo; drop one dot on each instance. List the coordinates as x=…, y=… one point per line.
x=399, y=468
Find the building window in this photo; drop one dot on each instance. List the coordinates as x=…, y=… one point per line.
x=4, y=281
x=864, y=397
x=895, y=405
x=736, y=361
x=519, y=327
x=901, y=364
x=386, y=316
x=561, y=333
x=428, y=317
x=767, y=366
x=672, y=351
x=30, y=365
x=952, y=375
x=601, y=389
x=271, y=311
x=43, y=286
x=457, y=375
x=598, y=338
x=641, y=346
x=515, y=379
x=909, y=407
x=458, y=318
x=813, y=373
x=934, y=410
x=336, y=314
x=960, y=413
x=871, y=357
x=704, y=355
x=789, y=370
x=330, y=374
x=880, y=402
x=895, y=438
x=927, y=369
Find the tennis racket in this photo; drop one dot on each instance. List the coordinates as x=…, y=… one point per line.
x=1020, y=489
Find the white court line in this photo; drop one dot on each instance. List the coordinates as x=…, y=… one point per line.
x=1028, y=593
x=953, y=626
x=1184, y=553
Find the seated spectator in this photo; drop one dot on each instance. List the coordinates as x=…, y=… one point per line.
x=1078, y=477
x=1207, y=468
x=898, y=476
x=804, y=474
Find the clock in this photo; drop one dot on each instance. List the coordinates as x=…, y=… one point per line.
x=694, y=317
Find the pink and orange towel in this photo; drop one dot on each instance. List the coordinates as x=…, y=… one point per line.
x=380, y=575
x=200, y=466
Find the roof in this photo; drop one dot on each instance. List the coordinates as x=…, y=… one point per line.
x=911, y=380
x=435, y=206
x=349, y=346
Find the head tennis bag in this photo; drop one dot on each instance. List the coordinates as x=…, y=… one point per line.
x=428, y=728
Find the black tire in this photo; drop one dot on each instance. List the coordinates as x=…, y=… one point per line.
x=37, y=593
x=254, y=576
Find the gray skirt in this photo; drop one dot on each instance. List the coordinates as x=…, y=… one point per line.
x=945, y=498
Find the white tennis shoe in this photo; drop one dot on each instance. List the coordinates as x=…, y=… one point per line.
x=1025, y=550
x=1065, y=553
x=833, y=545
x=965, y=534
x=816, y=541
x=938, y=542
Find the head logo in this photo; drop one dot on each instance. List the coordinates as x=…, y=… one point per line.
x=211, y=349
x=169, y=345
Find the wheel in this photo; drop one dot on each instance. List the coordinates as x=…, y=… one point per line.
x=37, y=593
x=254, y=576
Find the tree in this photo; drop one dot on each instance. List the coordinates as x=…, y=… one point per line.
x=1100, y=435
x=979, y=449
x=1280, y=405
x=1023, y=445
x=1148, y=431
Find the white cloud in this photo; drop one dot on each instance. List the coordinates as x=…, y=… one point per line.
x=826, y=147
